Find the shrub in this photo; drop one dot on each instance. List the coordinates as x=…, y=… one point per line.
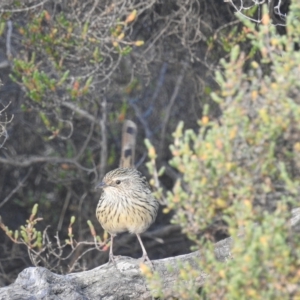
x=242, y=170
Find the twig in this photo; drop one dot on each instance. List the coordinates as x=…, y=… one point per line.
x=80, y=111
x=23, y=9
x=170, y=105
x=62, y=215
x=8, y=40
x=103, y=153
x=20, y=184
x=23, y=161
x=143, y=121
x=3, y=132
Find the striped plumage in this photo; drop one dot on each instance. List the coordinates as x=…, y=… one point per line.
x=126, y=204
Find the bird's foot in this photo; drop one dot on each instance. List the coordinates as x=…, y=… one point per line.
x=112, y=260
x=145, y=258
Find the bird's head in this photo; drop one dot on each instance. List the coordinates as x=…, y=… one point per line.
x=121, y=179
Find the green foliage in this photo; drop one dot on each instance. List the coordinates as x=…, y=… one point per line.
x=118, y=33
x=2, y=27
x=151, y=165
x=48, y=73
x=243, y=171
x=235, y=36
x=43, y=252
x=28, y=234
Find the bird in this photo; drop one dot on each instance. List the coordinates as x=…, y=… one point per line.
x=126, y=202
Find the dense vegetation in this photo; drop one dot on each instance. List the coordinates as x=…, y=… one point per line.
x=72, y=74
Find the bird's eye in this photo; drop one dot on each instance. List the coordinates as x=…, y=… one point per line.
x=118, y=181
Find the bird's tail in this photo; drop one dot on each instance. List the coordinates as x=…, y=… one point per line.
x=129, y=133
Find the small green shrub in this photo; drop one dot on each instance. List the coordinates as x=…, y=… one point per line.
x=242, y=170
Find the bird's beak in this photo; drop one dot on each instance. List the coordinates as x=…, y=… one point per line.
x=101, y=185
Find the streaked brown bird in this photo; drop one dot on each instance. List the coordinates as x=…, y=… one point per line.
x=126, y=202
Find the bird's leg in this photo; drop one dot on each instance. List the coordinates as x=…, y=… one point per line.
x=145, y=255
x=111, y=255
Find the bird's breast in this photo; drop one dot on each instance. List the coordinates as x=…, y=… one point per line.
x=119, y=213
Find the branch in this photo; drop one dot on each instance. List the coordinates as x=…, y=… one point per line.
x=3, y=131
x=169, y=107
x=26, y=161
x=8, y=40
x=80, y=111
x=20, y=184
x=103, y=152
x=23, y=9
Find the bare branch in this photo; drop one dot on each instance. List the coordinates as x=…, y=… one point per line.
x=23, y=9
x=20, y=184
x=103, y=153
x=170, y=105
x=23, y=161
x=8, y=40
